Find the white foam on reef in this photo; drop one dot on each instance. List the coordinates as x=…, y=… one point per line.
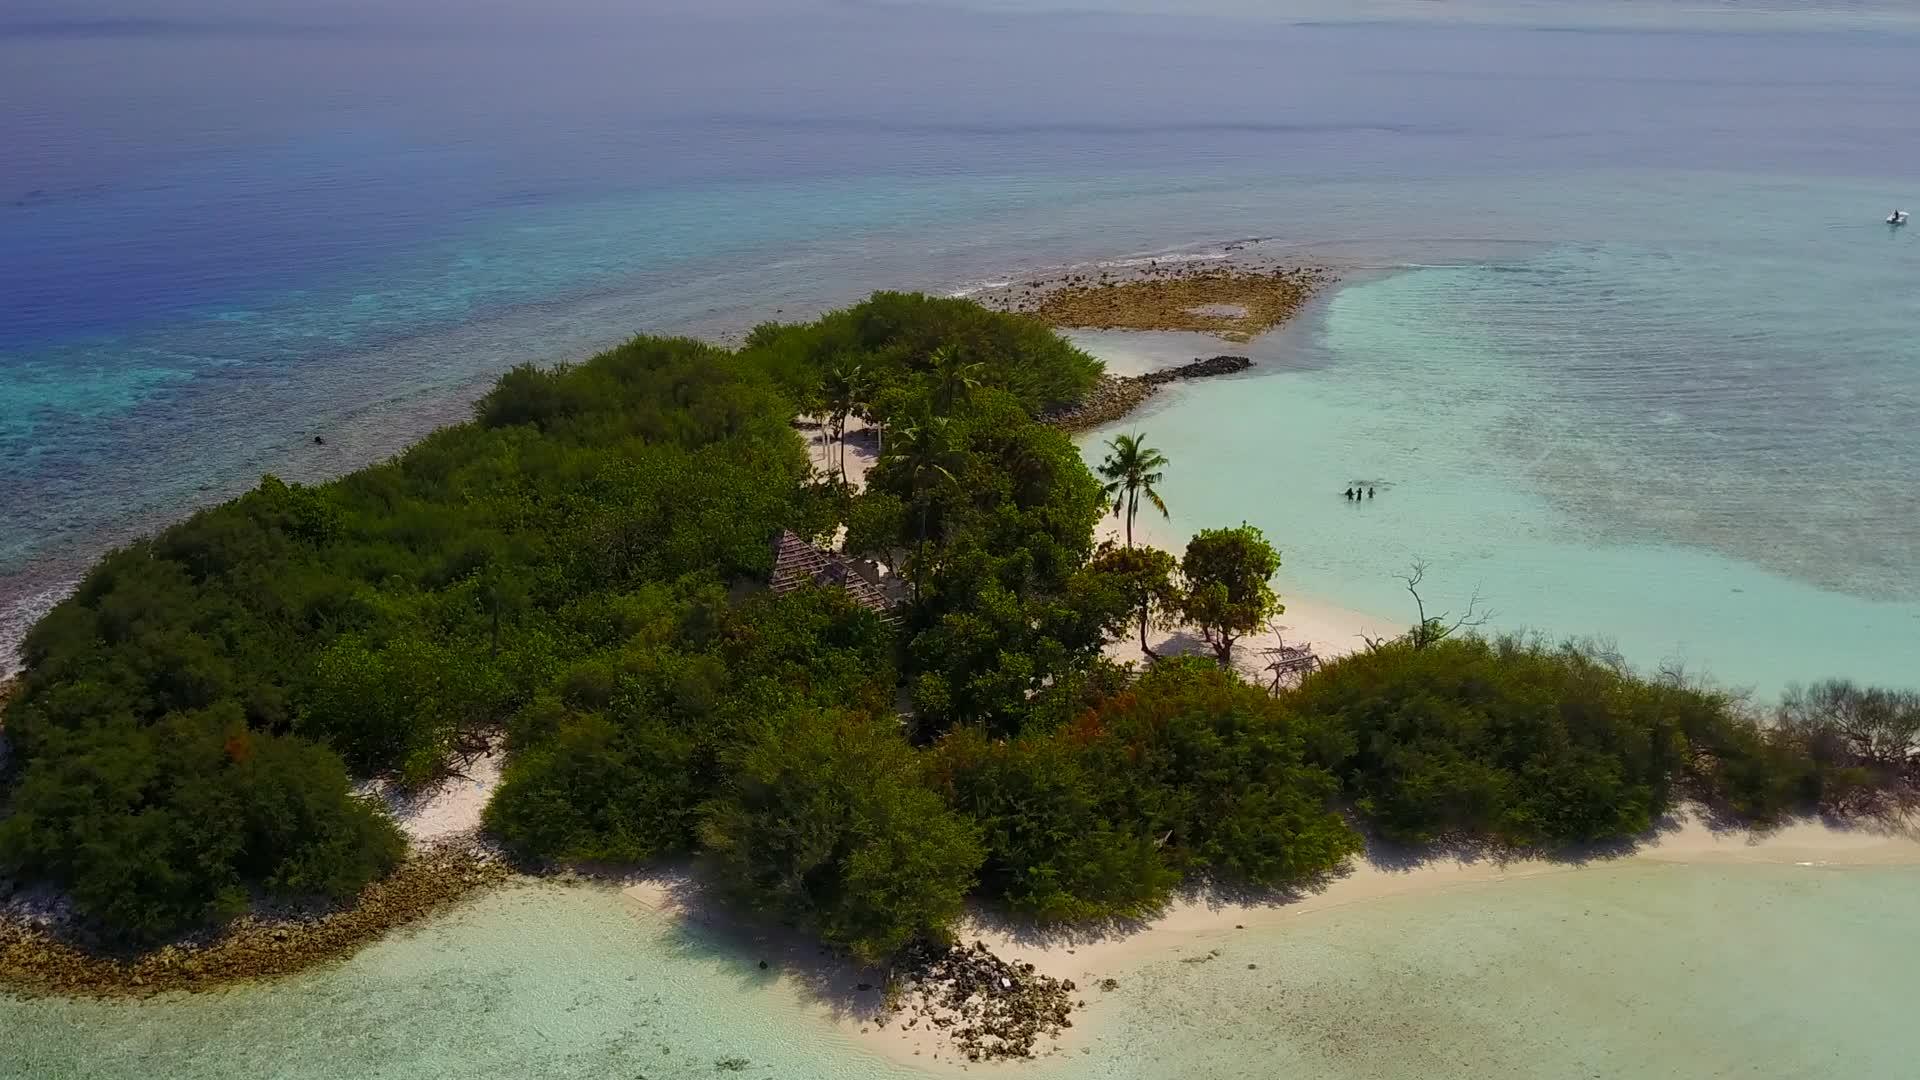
x=1211, y=251
x=18, y=615
x=1151, y=260
x=977, y=287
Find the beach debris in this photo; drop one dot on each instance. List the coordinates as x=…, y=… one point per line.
x=987, y=1007
x=1109, y=984
x=732, y=1064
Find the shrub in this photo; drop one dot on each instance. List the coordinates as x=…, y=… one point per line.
x=826, y=823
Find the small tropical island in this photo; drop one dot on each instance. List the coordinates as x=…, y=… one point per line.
x=857, y=690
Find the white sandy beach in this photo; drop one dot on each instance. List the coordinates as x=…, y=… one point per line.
x=823, y=450
x=1194, y=926
x=1330, y=630
x=447, y=809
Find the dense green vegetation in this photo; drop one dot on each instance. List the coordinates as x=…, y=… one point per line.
x=184, y=717
x=582, y=570
x=1539, y=746
x=824, y=822
x=1189, y=770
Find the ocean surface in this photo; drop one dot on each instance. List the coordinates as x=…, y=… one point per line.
x=1620, y=341
x=1628, y=971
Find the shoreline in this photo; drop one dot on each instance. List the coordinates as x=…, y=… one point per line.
x=1685, y=838
x=44, y=951
x=1330, y=630
x=1201, y=920
x=38, y=959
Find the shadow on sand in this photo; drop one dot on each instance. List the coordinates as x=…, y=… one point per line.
x=699, y=924
x=696, y=923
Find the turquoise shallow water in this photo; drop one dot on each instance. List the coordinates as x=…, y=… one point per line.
x=1699, y=444
x=1636, y=971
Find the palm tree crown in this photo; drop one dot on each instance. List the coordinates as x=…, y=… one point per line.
x=954, y=378
x=1131, y=469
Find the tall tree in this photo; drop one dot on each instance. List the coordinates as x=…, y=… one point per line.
x=1145, y=576
x=922, y=448
x=1131, y=469
x=1227, y=596
x=843, y=390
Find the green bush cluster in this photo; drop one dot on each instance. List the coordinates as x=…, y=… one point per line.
x=382, y=620
x=1188, y=771
x=1527, y=744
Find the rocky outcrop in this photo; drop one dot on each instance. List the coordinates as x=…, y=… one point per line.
x=1114, y=396
x=37, y=959
x=1235, y=303
x=1199, y=369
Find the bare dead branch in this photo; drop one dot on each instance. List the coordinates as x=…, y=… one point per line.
x=1429, y=630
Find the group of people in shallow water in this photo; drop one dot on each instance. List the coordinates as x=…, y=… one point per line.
x=1356, y=493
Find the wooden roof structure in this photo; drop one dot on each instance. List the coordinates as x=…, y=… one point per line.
x=797, y=562
x=1285, y=661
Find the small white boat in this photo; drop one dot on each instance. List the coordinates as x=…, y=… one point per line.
x=1898, y=217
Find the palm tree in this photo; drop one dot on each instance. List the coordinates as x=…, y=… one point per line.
x=844, y=390
x=954, y=379
x=920, y=446
x=1131, y=470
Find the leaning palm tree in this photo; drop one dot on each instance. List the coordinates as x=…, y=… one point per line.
x=920, y=447
x=954, y=379
x=1131, y=469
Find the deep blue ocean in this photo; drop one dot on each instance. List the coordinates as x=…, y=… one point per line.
x=1621, y=305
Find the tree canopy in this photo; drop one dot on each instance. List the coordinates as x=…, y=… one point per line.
x=1227, y=592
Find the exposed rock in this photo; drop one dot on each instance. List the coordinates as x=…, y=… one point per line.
x=1114, y=396
x=1237, y=302
x=988, y=1007
x=1199, y=369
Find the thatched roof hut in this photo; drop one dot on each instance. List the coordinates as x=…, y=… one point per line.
x=797, y=562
